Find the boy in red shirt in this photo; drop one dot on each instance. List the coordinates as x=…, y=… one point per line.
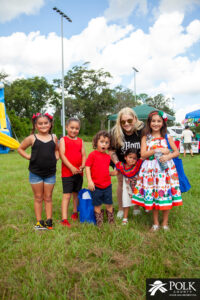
x=98, y=176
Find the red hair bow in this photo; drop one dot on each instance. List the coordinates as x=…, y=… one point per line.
x=35, y=116
x=49, y=116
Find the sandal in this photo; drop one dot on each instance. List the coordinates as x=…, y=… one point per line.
x=154, y=228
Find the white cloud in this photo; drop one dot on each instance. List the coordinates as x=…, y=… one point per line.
x=122, y=9
x=10, y=9
x=168, y=6
x=160, y=55
x=180, y=114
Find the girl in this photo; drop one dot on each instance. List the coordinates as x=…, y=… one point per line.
x=124, y=135
x=72, y=153
x=129, y=169
x=157, y=189
x=98, y=176
x=42, y=166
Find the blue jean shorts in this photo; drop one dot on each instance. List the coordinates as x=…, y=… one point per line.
x=34, y=179
x=102, y=196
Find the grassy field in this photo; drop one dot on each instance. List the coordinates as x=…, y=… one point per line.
x=84, y=262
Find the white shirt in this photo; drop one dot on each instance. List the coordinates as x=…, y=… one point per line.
x=187, y=135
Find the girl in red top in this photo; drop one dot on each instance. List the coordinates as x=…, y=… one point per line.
x=72, y=154
x=98, y=176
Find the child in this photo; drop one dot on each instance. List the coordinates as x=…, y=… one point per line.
x=157, y=189
x=98, y=176
x=42, y=166
x=129, y=169
x=72, y=154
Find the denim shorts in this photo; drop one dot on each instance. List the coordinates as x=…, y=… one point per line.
x=102, y=196
x=34, y=179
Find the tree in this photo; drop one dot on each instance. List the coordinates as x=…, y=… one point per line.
x=28, y=96
x=3, y=77
x=162, y=103
x=124, y=97
x=87, y=95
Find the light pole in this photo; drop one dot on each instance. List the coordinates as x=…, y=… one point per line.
x=135, y=71
x=63, y=98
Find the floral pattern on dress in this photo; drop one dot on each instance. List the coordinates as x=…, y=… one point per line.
x=156, y=188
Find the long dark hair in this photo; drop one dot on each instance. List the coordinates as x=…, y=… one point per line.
x=38, y=116
x=147, y=130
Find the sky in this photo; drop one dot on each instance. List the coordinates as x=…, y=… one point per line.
x=160, y=38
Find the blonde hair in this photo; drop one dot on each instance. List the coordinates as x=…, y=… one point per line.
x=117, y=132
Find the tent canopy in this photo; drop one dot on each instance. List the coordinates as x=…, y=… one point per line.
x=142, y=112
x=193, y=114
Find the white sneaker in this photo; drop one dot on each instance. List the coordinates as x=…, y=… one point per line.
x=120, y=214
x=136, y=212
x=124, y=221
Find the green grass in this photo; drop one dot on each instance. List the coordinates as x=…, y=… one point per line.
x=84, y=262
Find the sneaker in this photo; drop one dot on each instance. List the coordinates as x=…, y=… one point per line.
x=40, y=225
x=165, y=227
x=65, y=222
x=154, y=228
x=74, y=216
x=124, y=221
x=120, y=214
x=49, y=224
x=136, y=212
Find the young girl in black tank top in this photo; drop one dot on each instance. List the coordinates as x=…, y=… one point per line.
x=42, y=166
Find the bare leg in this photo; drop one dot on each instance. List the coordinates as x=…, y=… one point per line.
x=97, y=209
x=65, y=205
x=191, y=152
x=155, y=217
x=184, y=154
x=38, y=191
x=109, y=207
x=126, y=210
x=75, y=201
x=48, y=190
x=165, y=217
x=119, y=191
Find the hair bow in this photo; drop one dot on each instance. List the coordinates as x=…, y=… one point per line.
x=49, y=116
x=162, y=115
x=35, y=116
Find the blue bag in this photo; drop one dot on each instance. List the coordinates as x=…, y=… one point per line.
x=85, y=207
x=184, y=182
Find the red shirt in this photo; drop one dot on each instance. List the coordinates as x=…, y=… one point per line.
x=73, y=152
x=99, y=165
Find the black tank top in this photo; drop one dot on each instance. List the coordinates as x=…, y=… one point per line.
x=43, y=159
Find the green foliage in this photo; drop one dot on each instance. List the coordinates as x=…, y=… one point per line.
x=21, y=127
x=162, y=103
x=124, y=98
x=84, y=262
x=28, y=96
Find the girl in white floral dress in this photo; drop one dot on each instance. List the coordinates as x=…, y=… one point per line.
x=157, y=189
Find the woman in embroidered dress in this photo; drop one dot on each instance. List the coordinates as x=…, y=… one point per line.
x=157, y=188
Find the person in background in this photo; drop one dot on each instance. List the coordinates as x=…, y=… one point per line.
x=187, y=136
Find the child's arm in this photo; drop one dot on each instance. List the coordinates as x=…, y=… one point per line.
x=27, y=142
x=64, y=158
x=91, y=185
x=129, y=173
x=83, y=158
x=57, y=148
x=144, y=153
x=113, y=173
x=171, y=155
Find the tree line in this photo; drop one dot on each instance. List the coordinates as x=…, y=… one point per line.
x=87, y=95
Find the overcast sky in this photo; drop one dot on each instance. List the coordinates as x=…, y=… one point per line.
x=159, y=38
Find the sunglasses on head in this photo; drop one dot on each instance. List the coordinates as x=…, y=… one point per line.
x=129, y=121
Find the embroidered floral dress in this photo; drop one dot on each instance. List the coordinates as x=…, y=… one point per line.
x=157, y=189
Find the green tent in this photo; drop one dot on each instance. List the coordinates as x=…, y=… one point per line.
x=142, y=112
